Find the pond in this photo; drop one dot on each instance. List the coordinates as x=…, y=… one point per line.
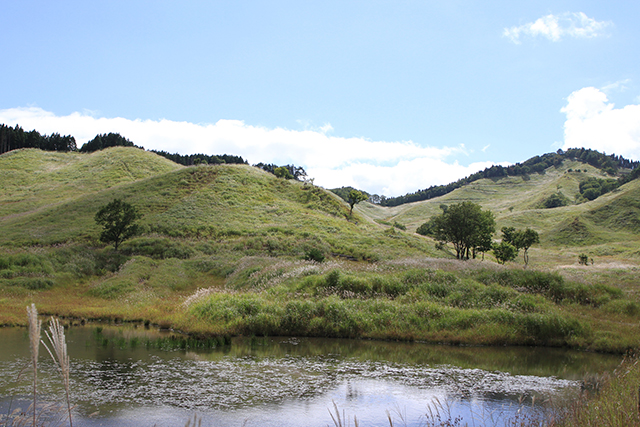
x=127, y=376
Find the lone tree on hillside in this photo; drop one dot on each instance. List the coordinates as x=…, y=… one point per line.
x=465, y=225
x=355, y=197
x=117, y=219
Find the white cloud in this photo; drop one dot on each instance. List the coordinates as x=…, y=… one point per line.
x=555, y=27
x=593, y=122
x=389, y=168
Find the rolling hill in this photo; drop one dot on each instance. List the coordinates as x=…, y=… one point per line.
x=232, y=249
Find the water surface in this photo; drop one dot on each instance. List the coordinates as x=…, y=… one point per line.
x=117, y=380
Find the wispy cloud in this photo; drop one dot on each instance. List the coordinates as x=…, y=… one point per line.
x=382, y=167
x=555, y=27
x=593, y=122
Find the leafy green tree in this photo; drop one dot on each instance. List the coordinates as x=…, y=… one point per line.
x=520, y=239
x=483, y=238
x=117, y=219
x=509, y=235
x=283, y=172
x=428, y=228
x=355, y=197
x=524, y=240
x=504, y=252
x=465, y=225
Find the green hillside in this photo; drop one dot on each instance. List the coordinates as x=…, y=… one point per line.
x=612, y=218
x=33, y=178
x=231, y=249
x=55, y=199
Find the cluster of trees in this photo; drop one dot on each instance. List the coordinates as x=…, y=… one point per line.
x=13, y=138
x=197, y=159
x=593, y=187
x=470, y=229
x=287, y=171
x=538, y=164
x=555, y=200
x=343, y=193
x=106, y=140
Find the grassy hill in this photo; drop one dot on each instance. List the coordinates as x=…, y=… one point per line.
x=54, y=199
x=33, y=178
x=222, y=250
x=612, y=219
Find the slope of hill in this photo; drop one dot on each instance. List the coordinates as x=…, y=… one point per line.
x=52, y=198
x=518, y=202
x=33, y=178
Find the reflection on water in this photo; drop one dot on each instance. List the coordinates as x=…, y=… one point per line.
x=292, y=382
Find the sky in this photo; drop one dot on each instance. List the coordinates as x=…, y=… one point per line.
x=386, y=96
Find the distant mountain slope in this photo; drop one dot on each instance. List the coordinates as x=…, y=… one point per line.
x=609, y=164
x=518, y=201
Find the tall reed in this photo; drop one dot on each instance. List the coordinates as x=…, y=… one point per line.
x=59, y=356
x=34, y=339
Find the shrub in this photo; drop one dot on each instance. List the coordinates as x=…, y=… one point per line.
x=504, y=252
x=556, y=200
x=314, y=254
x=399, y=226
x=112, y=290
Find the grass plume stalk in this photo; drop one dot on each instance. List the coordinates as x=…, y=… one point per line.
x=35, y=325
x=59, y=355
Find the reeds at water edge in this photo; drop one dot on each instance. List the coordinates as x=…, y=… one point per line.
x=59, y=356
x=34, y=340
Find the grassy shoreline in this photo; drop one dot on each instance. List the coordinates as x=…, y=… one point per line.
x=412, y=299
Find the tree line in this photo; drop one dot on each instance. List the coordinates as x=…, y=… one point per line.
x=200, y=159
x=610, y=164
x=13, y=138
x=287, y=171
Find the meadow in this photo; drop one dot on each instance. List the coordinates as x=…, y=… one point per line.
x=231, y=250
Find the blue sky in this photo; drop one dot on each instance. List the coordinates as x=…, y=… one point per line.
x=387, y=96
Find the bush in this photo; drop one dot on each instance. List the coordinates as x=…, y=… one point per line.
x=314, y=254
x=505, y=252
x=399, y=226
x=556, y=200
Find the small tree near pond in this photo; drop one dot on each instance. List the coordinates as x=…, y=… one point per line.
x=465, y=225
x=117, y=219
